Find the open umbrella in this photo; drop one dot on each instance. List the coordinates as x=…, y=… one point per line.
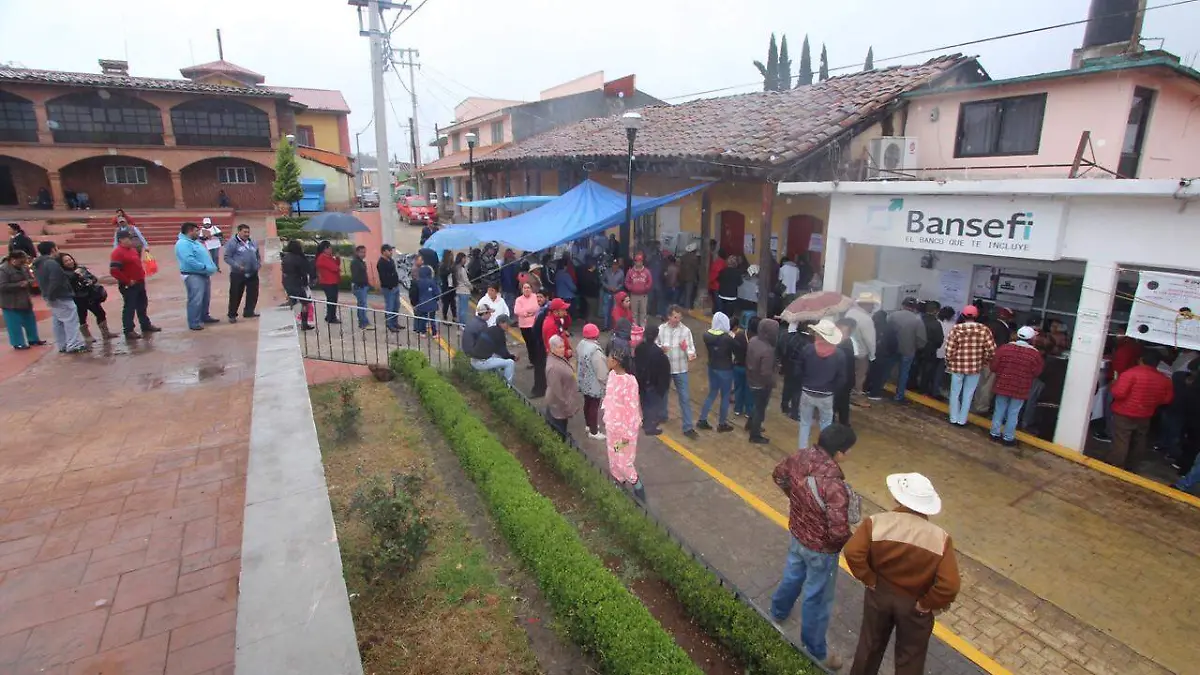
x=816, y=306
x=341, y=223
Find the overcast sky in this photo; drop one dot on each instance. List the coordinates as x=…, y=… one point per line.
x=516, y=48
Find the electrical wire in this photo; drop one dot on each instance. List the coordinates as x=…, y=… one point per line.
x=410, y=15
x=944, y=48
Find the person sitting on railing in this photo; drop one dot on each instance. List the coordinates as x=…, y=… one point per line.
x=490, y=350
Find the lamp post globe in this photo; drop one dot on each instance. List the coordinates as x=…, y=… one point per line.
x=472, y=139
x=632, y=121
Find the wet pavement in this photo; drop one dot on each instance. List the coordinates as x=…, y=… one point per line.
x=122, y=484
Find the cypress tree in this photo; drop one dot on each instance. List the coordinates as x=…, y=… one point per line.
x=869, y=64
x=770, y=71
x=806, y=72
x=783, y=81
x=824, y=75
x=287, y=175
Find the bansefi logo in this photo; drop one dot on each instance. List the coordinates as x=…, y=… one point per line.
x=956, y=230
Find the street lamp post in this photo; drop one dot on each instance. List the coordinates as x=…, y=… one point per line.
x=632, y=122
x=471, y=140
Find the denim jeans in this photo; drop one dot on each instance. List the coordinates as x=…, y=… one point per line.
x=720, y=383
x=1008, y=412
x=962, y=392
x=198, y=288
x=743, y=402
x=680, y=380
x=815, y=575
x=1191, y=479
x=822, y=405
x=426, y=322
x=906, y=363
x=464, y=307
x=391, y=304
x=495, y=363
x=606, y=308
x=360, y=295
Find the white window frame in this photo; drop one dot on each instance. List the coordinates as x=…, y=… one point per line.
x=125, y=175
x=236, y=175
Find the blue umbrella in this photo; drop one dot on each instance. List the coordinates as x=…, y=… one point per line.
x=341, y=223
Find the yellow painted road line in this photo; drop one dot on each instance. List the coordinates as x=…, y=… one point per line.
x=1066, y=453
x=946, y=635
x=440, y=340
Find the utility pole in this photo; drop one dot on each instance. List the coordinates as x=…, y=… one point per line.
x=378, y=38
x=412, y=139
x=410, y=61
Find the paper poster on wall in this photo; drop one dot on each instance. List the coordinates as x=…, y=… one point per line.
x=1162, y=310
x=1022, y=286
x=952, y=288
x=748, y=244
x=981, y=282
x=775, y=244
x=816, y=242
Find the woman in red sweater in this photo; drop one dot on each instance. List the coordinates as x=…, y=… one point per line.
x=1137, y=394
x=329, y=275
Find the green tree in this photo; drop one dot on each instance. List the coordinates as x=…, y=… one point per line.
x=824, y=74
x=869, y=64
x=806, y=71
x=770, y=71
x=287, y=175
x=783, y=81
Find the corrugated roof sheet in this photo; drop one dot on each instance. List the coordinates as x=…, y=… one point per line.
x=759, y=129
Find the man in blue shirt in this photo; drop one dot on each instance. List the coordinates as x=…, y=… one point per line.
x=197, y=268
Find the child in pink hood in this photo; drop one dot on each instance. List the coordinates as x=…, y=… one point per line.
x=622, y=419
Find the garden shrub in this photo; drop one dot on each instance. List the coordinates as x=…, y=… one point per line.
x=398, y=528
x=596, y=610
x=750, y=637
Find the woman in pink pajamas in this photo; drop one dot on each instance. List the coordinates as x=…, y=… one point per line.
x=622, y=419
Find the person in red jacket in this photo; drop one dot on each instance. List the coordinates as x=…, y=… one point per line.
x=639, y=280
x=329, y=275
x=1016, y=365
x=622, y=308
x=125, y=265
x=1124, y=356
x=714, y=270
x=557, y=322
x=1137, y=394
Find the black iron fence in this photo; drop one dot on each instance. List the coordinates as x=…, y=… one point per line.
x=366, y=335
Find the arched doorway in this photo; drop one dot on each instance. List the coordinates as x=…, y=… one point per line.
x=800, y=230
x=247, y=184
x=119, y=181
x=20, y=181
x=732, y=226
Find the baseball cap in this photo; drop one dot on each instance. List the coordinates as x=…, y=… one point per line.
x=590, y=331
x=970, y=310
x=558, y=303
x=1026, y=333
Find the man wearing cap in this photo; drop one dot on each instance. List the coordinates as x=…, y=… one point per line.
x=820, y=370
x=493, y=300
x=1016, y=365
x=908, y=566
x=819, y=522
x=969, y=348
x=910, y=338
x=474, y=328
x=210, y=234
x=612, y=282
x=864, y=339
x=490, y=350
x=557, y=322
x=639, y=281
x=389, y=283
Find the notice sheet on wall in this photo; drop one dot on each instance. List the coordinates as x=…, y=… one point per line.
x=952, y=289
x=1163, y=309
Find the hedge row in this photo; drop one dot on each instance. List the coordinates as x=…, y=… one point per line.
x=588, y=600
x=751, y=638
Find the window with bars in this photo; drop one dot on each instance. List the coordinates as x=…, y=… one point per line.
x=232, y=175
x=215, y=122
x=125, y=175
x=17, y=119
x=112, y=118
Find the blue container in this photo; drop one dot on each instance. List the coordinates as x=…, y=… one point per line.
x=314, y=195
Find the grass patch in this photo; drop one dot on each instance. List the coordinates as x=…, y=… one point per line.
x=449, y=613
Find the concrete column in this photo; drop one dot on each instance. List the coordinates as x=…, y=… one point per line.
x=835, y=263
x=45, y=136
x=168, y=129
x=177, y=188
x=1087, y=352
x=763, y=247
x=56, y=191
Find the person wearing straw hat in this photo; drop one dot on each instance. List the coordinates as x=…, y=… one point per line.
x=908, y=566
x=866, y=304
x=820, y=370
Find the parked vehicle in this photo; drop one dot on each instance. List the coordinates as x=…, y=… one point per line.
x=416, y=211
x=368, y=199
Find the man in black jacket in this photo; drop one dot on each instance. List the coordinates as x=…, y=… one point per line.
x=389, y=283
x=19, y=241
x=928, y=365
x=360, y=285
x=787, y=352
x=652, y=369
x=841, y=397
x=490, y=351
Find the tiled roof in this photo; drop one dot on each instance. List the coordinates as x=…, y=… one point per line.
x=122, y=82
x=330, y=159
x=330, y=100
x=222, y=67
x=457, y=160
x=762, y=129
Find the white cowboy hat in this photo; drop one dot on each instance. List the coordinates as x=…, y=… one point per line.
x=691, y=248
x=867, y=297
x=207, y=221
x=828, y=331
x=915, y=491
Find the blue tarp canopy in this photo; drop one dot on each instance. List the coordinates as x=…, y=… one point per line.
x=584, y=210
x=523, y=203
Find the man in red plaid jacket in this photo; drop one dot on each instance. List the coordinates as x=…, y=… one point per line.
x=969, y=347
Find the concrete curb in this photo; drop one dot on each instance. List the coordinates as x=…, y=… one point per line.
x=293, y=613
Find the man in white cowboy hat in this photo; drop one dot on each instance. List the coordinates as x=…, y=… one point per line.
x=820, y=370
x=866, y=304
x=908, y=566
x=210, y=234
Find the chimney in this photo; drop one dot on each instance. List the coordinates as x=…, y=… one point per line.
x=112, y=67
x=1114, y=28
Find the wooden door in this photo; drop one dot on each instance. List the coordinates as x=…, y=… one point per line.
x=733, y=232
x=799, y=238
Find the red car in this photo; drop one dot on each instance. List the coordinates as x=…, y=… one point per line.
x=416, y=211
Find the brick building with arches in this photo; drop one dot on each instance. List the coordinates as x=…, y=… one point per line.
x=153, y=143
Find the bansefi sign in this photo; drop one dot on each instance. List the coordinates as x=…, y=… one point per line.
x=1008, y=227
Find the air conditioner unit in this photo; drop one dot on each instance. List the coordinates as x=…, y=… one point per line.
x=891, y=157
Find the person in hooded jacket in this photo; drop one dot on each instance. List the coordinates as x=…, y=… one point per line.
x=592, y=373
x=760, y=375
x=622, y=308
x=729, y=280
x=427, y=302
x=788, y=352
x=446, y=277
x=720, y=344
x=743, y=405
x=652, y=368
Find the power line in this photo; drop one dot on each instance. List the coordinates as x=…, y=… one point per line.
x=945, y=48
x=410, y=15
